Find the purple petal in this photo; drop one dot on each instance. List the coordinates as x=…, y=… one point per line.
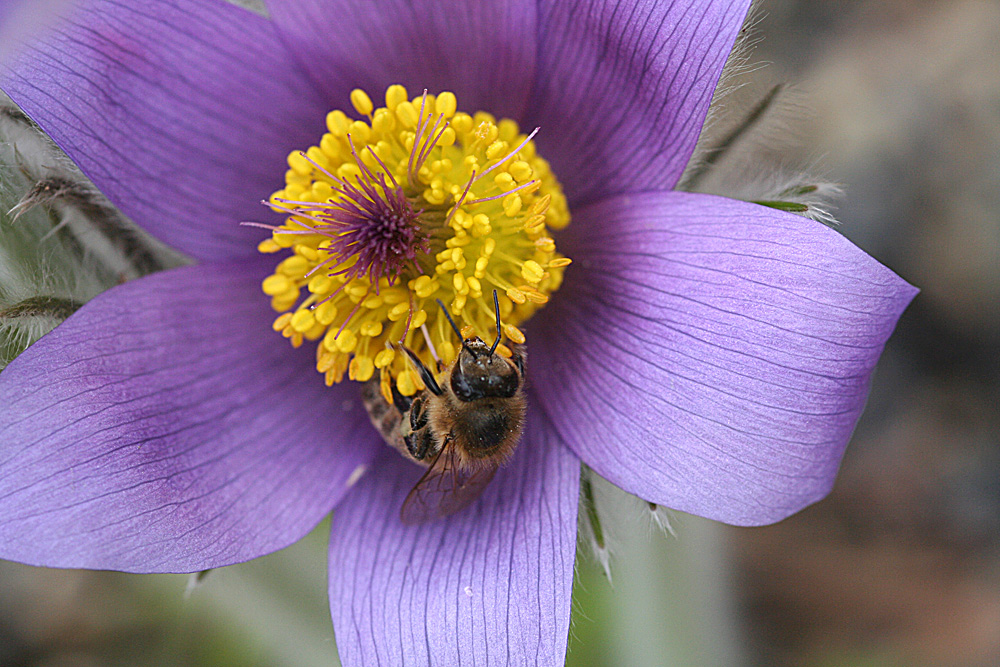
x=21, y=20
x=623, y=88
x=182, y=113
x=482, y=51
x=166, y=427
x=489, y=585
x=711, y=355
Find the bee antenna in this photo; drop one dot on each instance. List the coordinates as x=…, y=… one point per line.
x=450, y=321
x=496, y=306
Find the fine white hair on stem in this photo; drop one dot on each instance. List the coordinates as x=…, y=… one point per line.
x=195, y=581
x=802, y=191
x=61, y=241
x=662, y=518
x=737, y=68
x=751, y=129
x=608, y=514
x=594, y=519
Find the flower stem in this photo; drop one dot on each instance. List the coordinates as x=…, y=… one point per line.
x=714, y=155
x=41, y=306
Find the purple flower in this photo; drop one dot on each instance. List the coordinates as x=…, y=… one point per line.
x=706, y=354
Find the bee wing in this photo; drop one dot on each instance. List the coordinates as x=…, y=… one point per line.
x=444, y=489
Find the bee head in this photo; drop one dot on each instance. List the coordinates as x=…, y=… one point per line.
x=479, y=372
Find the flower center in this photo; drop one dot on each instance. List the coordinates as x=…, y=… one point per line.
x=413, y=203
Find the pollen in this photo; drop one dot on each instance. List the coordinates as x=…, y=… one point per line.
x=397, y=207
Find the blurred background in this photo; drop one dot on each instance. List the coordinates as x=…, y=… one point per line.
x=898, y=101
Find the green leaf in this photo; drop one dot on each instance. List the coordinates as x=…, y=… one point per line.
x=790, y=206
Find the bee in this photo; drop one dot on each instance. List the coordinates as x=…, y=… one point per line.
x=462, y=429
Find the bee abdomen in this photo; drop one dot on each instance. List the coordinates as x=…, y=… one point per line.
x=384, y=417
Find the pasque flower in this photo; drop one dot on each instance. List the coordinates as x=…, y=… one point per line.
x=705, y=354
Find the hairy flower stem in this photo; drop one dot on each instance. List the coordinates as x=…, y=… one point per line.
x=41, y=306
x=714, y=155
x=591, y=507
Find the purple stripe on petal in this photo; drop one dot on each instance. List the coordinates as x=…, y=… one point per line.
x=490, y=585
x=165, y=427
x=182, y=112
x=712, y=355
x=623, y=88
x=482, y=51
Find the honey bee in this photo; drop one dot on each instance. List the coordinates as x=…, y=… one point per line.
x=462, y=428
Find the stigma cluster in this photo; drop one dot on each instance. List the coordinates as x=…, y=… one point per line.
x=399, y=207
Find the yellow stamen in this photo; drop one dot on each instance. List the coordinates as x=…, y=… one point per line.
x=362, y=103
x=479, y=202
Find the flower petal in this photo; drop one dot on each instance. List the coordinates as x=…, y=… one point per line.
x=711, y=355
x=21, y=20
x=166, y=427
x=183, y=113
x=482, y=51
x=489, y=585
x=623, y=88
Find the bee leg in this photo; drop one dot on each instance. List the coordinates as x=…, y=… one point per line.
x=420, y=444
x=401, y=402
x=418, y=415
x=416, y=435
x=425, y=373
x=517, y=357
